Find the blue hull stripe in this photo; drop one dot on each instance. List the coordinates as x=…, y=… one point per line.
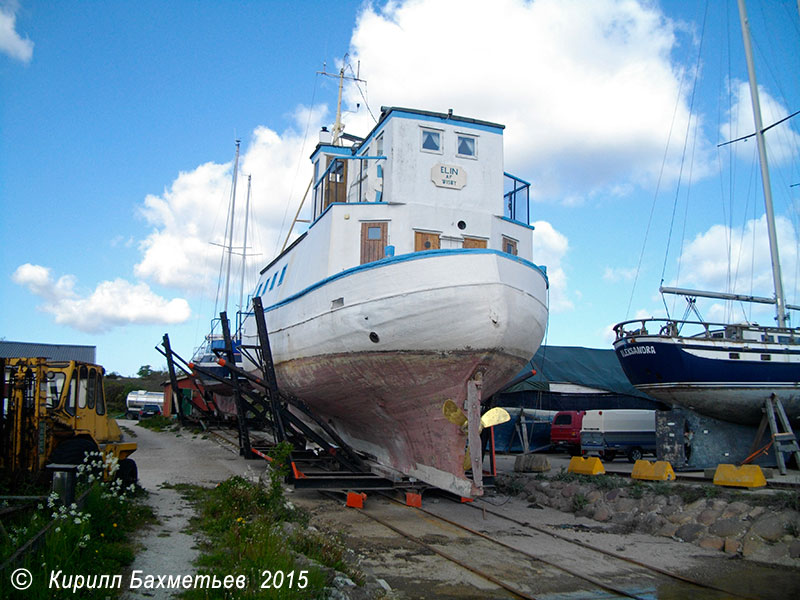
x=385, y=262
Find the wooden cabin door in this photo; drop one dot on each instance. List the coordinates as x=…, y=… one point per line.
x=373, y=241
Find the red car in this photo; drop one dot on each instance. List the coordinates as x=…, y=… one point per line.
x=565, y=431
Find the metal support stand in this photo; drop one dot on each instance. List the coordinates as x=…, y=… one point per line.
x=784, y=440
x=268, y=370
x=173, y=381
x=241, y=411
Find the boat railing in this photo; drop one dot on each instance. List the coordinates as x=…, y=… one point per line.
x=332, y=186
x=678, y=328
x=516, y=199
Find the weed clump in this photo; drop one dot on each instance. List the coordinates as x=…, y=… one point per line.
x=252, y=530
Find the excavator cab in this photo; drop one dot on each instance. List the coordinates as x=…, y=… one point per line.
x=55, y=412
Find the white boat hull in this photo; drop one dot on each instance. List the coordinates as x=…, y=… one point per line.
x=378, y=349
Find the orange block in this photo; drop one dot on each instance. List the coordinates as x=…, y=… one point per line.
x=463, y=499
x=356, y=499
x=413, y=499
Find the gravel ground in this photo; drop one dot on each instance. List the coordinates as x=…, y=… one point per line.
x=185, y=458
x=172, y=458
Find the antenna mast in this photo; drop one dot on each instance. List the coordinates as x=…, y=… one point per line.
x=338, y=127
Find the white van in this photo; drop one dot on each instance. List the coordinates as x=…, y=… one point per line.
x=611, y=432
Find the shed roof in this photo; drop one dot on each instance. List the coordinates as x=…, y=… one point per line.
x=590, y=367
x=49, y=351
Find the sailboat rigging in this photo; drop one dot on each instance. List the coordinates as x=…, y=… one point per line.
x=727, y=371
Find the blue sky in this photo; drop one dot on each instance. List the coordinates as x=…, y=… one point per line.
x=118, y=123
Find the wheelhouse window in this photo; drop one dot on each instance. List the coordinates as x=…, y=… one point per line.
x=466, y=146
x=432, y=141
x=509, y=246
x=379, y=145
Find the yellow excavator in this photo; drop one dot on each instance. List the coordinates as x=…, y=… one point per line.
x=55, y=413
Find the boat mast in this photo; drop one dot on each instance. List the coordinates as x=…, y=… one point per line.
x=244, y=244
x=337, y=126
x=229, y=248
x=780, y=300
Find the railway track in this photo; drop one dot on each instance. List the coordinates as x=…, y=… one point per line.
x=526, y=561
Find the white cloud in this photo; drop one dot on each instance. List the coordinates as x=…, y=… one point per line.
x=585, y=87
x=190, y=216
x=112, y=304
x=11, y=42
x=782, y=141
x=549, y=249
x=705, y=265
x=617, y=274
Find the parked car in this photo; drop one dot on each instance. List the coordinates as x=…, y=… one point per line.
x=149, y=410
x=611, y=432
x=565, y=431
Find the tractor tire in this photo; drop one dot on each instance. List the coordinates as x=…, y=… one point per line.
x=72, y=451
x=127, y=472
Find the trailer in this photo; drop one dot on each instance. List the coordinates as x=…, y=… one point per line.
x=611, y=432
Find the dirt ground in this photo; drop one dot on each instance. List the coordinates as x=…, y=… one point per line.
x=410, y=571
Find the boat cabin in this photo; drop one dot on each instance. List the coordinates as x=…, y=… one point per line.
x=419, y=181
x=449, y=169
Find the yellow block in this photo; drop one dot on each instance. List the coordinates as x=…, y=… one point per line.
x=653, y=471
x=586, y=466
x=749, y=476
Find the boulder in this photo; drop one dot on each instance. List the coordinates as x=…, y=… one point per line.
x=732, y=546
x=711, y=542
x=689, y=532
x=770, y=528
x=708, y=516
x=728, y=528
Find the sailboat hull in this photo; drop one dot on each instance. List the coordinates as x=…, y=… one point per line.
x=378, y=349
x=725, y=379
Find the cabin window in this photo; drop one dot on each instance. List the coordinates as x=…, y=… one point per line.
x=100, y=405
x=379, y=145
x=509, y=246
x=466, y=146
x=72, y=393
x=82, y=385
x=432, y=141
x=55, y=384
x=272, y=285
x=92, y=389
x=471, y=242
x=283, y=272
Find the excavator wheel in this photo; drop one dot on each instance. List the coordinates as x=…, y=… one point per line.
x=72, y=451
x=127, y=472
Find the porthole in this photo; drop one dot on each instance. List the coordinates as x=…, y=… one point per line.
x=374, y=337
x=462, y=226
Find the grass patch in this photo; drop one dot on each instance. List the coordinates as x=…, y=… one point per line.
x=90, y=540
x=248, y=529
x=159, y=423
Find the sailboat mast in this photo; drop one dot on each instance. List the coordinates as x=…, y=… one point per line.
x=780, y=300
x=229, y=248
x=244, y=244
